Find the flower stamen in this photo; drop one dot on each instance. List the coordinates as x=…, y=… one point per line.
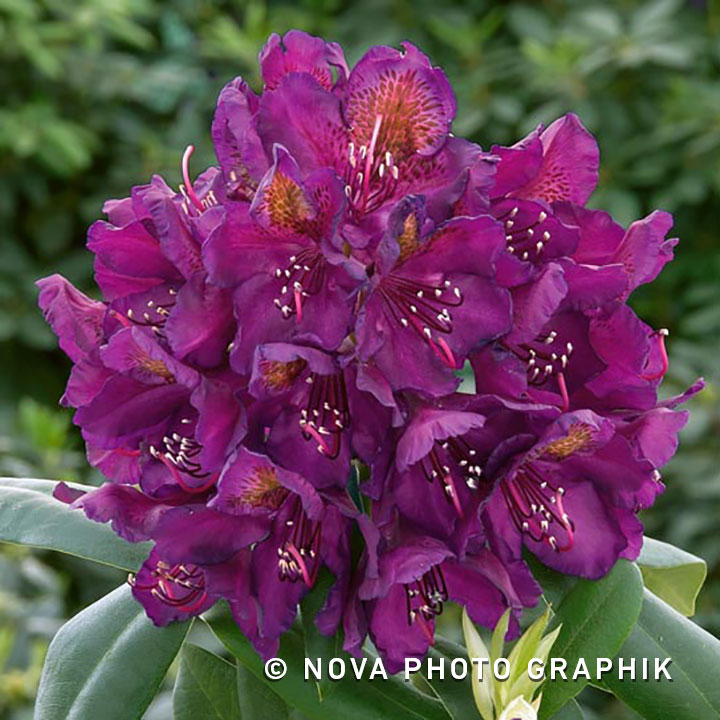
x=665, y=361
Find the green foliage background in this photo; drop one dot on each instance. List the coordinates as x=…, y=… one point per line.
x=96, y=95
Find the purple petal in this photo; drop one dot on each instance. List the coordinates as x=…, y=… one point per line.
x=75, y=318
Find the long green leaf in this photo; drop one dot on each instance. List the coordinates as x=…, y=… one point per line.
x=257, y=700
x=205, y=687
x=570, y=711
x=596, y=616
x=317, y=645
x=107, y=662
x=672, y=574
x=30, y=515
x=349, y=700
x=661, y=632
x=455, y=695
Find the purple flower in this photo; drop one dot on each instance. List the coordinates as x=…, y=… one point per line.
x=384, y=129
x=149, y=267
x=291, y=283
x=414, y=575
x=570, y=491
x=306, y=531
x=572, y=347
x=315, y=413
x=432, y=299
x=287, y=332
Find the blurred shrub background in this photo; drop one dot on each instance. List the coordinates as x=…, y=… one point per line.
x=96, y=95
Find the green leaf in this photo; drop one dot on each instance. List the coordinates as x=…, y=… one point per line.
x=257, y=700
x=107, y=662
x=317, y=645
x=482, y=689
x=350, y=699
x=596, y=616
x=205, y=687
x=455, y=695
x=30, y=515
x=672, y=574
x=661, y=632
x=570, y=711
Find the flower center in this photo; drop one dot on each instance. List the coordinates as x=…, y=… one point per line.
x=424, y=308
x=525, y=233
x=304, y=276
x=545, y=357
x=261, y=488
x=298, y=554
x=181, y=586
x=280, y=376
x=179, y=455
x=425, y=596
x=155, y=314
x=327, y=412
x=371, y=176
x=437, y=465
x=536, y=508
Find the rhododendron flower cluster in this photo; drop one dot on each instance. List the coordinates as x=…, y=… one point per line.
x=270, y=380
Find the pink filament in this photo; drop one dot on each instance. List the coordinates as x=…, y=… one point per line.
x=124, y=452
x=178, y=478
x=324, y=447
x=563, y=392
x=371, y=155
x=300, y=560
x=189, y=150
x=453, y=494
x=125, y=322
x=663, y=356
x=449, y=357
x=298, y=305
x=566, y=525
x=425, y=627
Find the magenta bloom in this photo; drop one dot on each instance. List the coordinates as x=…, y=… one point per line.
x=269, y=376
